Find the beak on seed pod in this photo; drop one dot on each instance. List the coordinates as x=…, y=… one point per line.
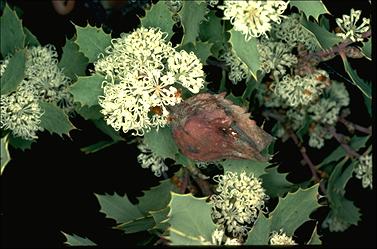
x=209, y=127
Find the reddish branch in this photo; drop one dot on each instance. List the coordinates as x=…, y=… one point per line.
x=197, y=176
x=352, y=127
x=339, y=137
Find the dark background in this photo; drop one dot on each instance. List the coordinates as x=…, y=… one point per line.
x=50, y=188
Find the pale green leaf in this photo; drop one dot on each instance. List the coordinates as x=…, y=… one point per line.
x=87, y=89
x=260, y=232
x=4, y=153
x=54, y=119
x=92, y=41
x=12, y=33
x=137, y=225
x=294, y=210
x=192, y=15
x=315, y=238
x=108, y=130
x=160, y=218
x=190, y=220
x=119, y=208
x=201, y=49
x=325, y=38
x=255, y=168
x=73, y=62
x=20, y=143
x=276, y=183
x=97, y=146
x=75, y=240
x=87, y=113
x=161, y=142
x=365, y=87
x=367, y=49
x=211, y=29
x=30, y=39
x=159, y=16
x=14, y=73
x=313, y=8
x=246, y=50
x=156, y=198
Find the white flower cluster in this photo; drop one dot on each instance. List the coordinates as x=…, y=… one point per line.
x=364, y=170
x=292, y=33
x=142, y=75
x=317, y=136
x=240, y=197
x=219, y=238
x=44, y=80
x=334, y=224
x=21, y=113
x=275, y=57
x=280, y=238
x=253, y=18
x=238, y=69
x=148, y=159
x=300, y=91
x=350, y=28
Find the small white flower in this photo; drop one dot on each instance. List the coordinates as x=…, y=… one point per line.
x=253, y=18
x=364, y=171
x=148, y=159
x=238, y=69
x=280, y=238
x=240, y=197
x=21, y=113
x=3, y=66
x=334, y=224
x=350, y=28
x=325, y=111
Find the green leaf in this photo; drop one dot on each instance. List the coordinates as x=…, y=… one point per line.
x=276, y=183
x=365, y=87
x=313, y=8
x=87, y=113
x=368, y=104
x=87, y=89
x=249, y=166
x=211, y=30
x=14, y=73
x=118, y=208
x=161, y=142
x=315, y=238
x=12, y=33
x=260, y=232
x=325, y=38
x=92, y=41
x=4, y=153
x=246, y=50
x=97, y=147
x=367, y=49
x=159, y=16
x=192, y=14
x=137, y=225
x=74, y=240
x=293, y=210
x=73, y=62
x=240, y=101
x=20, y=143
x=190, y=220
x=156, y=198
x=54, y=119
x=201, y=49
x=108, y=130
x=30, y=39
x=160, y=218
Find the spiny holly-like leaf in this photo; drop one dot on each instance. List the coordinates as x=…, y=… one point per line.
x=87, y=113
x=87, y=89
x=276, y=183
x=156, y=198
x=141, y=224
x=73, y=62
x=92, y=41
x=313, y=8
x=12, y=33
x=201, y=49
x=190, y=220
x=249, y=166
x=367, y=49
x=356, y=143
x=161, y=142
x=14, y=73
x=30, y=39
x=118, y=208
x=75, y=240
x=20, y=143
x=365, y=87
x=192, y=14
x=315, y=238
x=4, y=153
x=159, y=16
x=160, y=218
x=293, y=210
x=325, y=38
x=211, y=30
x=246, y=50
x=108, y=130
x=260, y=232
x=54, y=119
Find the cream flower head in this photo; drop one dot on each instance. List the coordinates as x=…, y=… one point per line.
x=280, y=238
